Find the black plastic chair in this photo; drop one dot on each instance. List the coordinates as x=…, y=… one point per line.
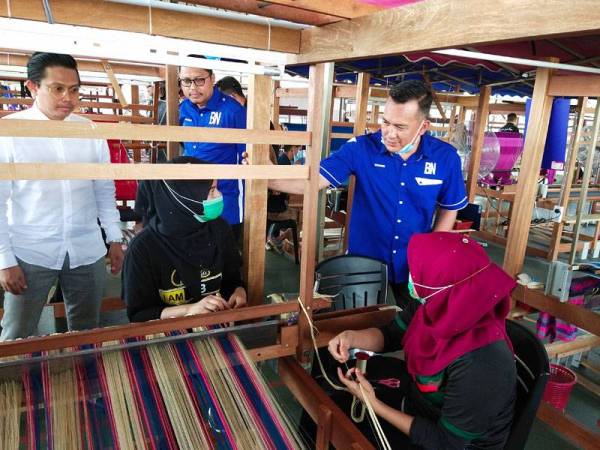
x=353, y=281
x=533, y=370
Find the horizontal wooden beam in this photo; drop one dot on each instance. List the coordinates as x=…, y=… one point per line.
x=100, y=105
x=567, y=426
x=577, y=315
x=338, y=92
x=102, y=117
x=90, y=171
x=62, y=129
x=119, y=332
x=8, y=59
x=487, y=22
x=160, y=22
x=505, y=108
x=574, y=86
x=348, y=9
x=341, y=135
x=561, y=349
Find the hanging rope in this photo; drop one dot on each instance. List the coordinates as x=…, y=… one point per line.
x=268, y=19
x=375, y=420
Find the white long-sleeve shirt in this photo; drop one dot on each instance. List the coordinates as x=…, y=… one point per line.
x=43, y=220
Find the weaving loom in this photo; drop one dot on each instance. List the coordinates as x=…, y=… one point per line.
x=167, y=391
x=152, y=386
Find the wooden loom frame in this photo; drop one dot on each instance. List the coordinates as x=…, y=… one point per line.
x=293, y=340
x=362, y=37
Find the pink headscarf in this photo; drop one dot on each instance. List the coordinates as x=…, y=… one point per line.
x=468, y=315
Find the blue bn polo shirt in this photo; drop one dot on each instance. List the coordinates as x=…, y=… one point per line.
x=221, y=111
x=393, y=198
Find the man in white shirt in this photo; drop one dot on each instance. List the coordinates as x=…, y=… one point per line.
x=49, y=228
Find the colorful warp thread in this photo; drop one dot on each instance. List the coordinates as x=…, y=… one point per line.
x=550, y=327
x=186, y=394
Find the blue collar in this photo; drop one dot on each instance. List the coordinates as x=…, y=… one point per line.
x=213, y=102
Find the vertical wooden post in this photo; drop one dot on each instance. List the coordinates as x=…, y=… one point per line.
x=375, y=114
x=567, y=182
x=585, y=184
x=320, y=233
x=483, y=110
x=319, y=94
x=155, y=100
x=115, y=83
x=275, y=106
x=135, y=100
x=172, y=87
x=455, y=108
x=255, y=210
x=533, y=150
x=360, y=123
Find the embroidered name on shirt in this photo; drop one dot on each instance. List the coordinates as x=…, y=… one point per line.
x=429, y=168
x=215, y=118
x=187, y=119
x=379, y=165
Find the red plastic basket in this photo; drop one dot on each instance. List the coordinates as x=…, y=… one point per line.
x=559, y=386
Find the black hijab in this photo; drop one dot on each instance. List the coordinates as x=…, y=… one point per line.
x=190, y=244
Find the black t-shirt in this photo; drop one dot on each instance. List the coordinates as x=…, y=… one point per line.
x=151, y=282
x=472, y=406
x=510, y=127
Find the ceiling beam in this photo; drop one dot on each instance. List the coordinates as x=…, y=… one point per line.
x=570, y=51
x=8, y=59
x=346, y=9
x=469, y=22
x=114, y=16
x=272, y=10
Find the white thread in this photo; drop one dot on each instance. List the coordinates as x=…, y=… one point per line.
x=378, y=429
x=9, y=9
x=174, y=194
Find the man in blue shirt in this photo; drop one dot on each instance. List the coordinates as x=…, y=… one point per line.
x=207, y=106
x=404, y=177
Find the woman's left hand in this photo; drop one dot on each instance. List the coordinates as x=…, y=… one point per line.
x=355, y=386
x=238, y=298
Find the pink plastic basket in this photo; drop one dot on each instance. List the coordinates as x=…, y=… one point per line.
x=559, y=386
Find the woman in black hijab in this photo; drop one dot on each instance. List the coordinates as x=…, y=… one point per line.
x=185, y=261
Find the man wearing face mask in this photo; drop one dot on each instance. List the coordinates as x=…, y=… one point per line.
x=404, y=177
x=185, y=261
x=206, y=106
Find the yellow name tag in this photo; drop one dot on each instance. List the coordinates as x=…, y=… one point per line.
x=173, y=296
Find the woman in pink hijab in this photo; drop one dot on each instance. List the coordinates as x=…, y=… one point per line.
x=456, y=388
